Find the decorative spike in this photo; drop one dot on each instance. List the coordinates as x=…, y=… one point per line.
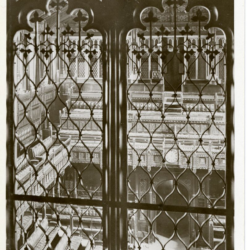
x=68, y=31
x=163, y=31
x=150, y=18
x=69, y=52
x=187, y=31
x=212, y=53
x=187, y=53
x=48, y=31
x=89, y=36
x=47, y=52
x=209, y=35
x=80, y=17
x=27, y=36
x=25, y=52
x=36, y=18
x=199, y=17
x=141, y=35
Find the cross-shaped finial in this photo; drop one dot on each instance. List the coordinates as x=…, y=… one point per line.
x=48, y=31
x=69, y=52
x=89, y=36
x=209, y=35
x=36, y=18
x=68, y=31
x=59, y=5
x=187, y=53
x=150, y=18
x=138, y=53
x=80, y=17
x=163, y=53
x=25, y=52
x=90, y=52
x=199, y=17
x=175, y=3
x=27, y=36
x=187, y=31
x=141, y=36
x=162, y=31
x=47, y=52
x=212, y=53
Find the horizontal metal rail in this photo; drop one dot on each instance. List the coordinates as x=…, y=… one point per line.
x=144, y=206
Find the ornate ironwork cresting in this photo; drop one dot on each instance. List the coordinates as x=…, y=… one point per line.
x=120, y=125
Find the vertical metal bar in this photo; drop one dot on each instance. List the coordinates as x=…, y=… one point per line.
x=123, y=140
x=199, y=34
x=57, y=23
x=112, y=138
x=230, y=145
x=175, y=26
x=79, y=37
x=57, y=40
x=10, y=146
x=116, y=53
x=105, y=191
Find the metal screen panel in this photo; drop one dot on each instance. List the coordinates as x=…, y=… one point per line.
x=176, y=123
x=120, y=125
x=58, y=129
x=56, y=116
x=172, y=230
x=57, y=226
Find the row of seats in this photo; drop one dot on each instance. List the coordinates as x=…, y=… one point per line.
x=86, y=105
x=37, y=235
x=40, y=149
x=26, y=168
x=58, y=239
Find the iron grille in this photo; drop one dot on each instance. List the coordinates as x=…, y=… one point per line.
x=176, y=133
x=122, y=127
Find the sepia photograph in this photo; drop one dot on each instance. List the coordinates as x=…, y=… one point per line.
x=120, y=125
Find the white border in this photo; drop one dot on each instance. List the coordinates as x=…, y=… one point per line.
x=239, y=123
x=247, y=124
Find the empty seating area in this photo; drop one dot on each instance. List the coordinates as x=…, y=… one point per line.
x=56, y=231
x=38, y=170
